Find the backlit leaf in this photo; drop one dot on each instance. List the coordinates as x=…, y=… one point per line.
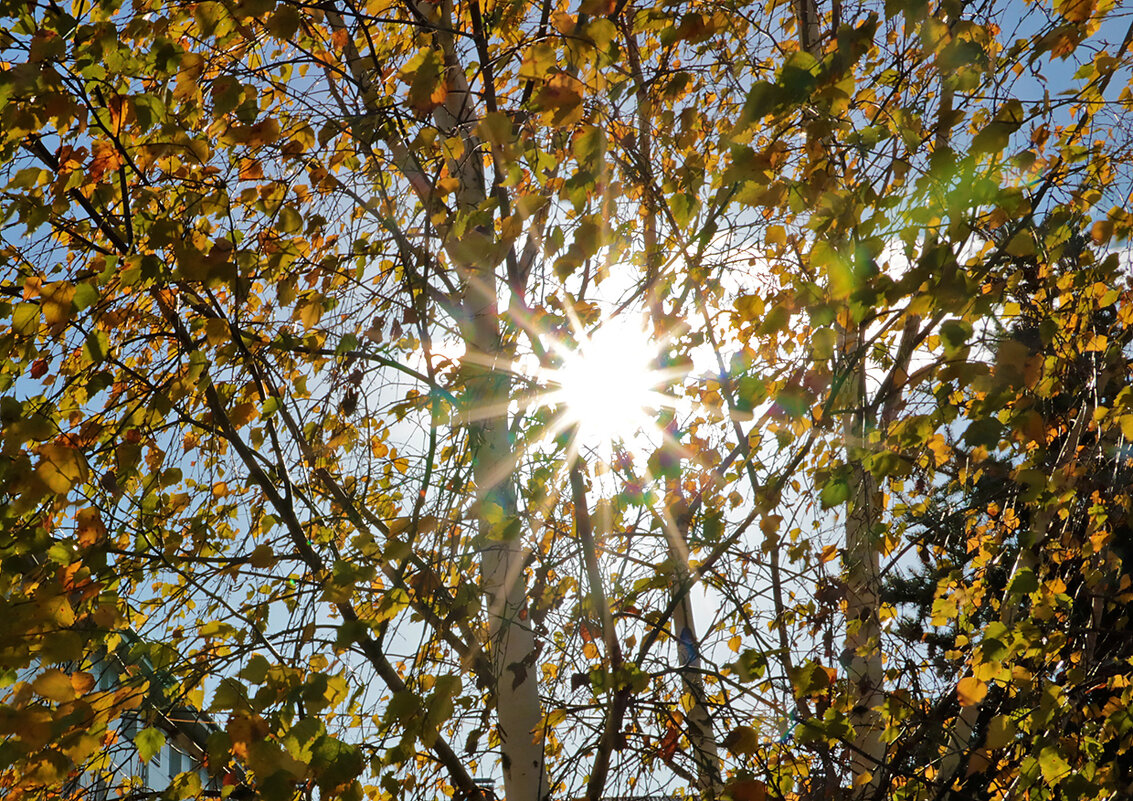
x=61, y=468
x=970, y=691
x=149, y=742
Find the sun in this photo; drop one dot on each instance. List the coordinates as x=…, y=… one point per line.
x=607, y=388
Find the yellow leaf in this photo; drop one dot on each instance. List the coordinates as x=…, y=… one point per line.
x=970, y=691
x=538, y=61
x=1076, y=10
x=991, y=670
x=262, y=557
x=551, y=719
x=742, y=740
x=61, y=468
x=1097, y=343
x=1053, y=765
x=940, y=449
x=25, y=318
x=216, y=331
x=1000, y=732
x=561, y=96
x=310, y=312
x=54, y=685
x=241, y=413
x=80, y=748
x=428, y=84
x=56, y=303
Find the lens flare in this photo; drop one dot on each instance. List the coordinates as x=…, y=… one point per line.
x=607, y=387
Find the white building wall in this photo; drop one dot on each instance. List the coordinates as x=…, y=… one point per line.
x=179, y=754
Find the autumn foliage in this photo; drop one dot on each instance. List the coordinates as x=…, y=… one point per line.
x=285, y=292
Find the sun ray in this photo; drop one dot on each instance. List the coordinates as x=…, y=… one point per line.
x=607, y=387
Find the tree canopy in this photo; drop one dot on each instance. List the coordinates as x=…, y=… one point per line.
x=301, y=311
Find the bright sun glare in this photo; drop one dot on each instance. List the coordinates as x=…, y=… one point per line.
x=607, y=386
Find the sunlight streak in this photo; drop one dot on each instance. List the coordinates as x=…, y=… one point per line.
x=607, y=388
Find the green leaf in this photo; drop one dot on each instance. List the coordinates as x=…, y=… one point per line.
x=256, y=670
x=25, y=318
x=834, y=492
x=85, y=296
x=149, y=743
x=289, y=220
x=823, y=341
x=799, y=75
x=230, y=694
x=986, y=432
x=270, y=407
x=590, y=146
x=284, y=22
x=1024, y=583
x=762, y=99
x=96, y=346
x=27, y=178
x=335, y=764
x=1053, y=765
x=496, y=129
x=954, y=334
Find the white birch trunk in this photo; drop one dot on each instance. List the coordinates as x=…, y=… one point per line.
x=699, y=723
x=862, y=576
x=511, y=641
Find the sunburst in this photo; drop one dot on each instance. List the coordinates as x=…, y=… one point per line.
x=607, y=387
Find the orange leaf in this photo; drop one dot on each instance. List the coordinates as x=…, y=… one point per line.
x=89, y=527
x=242, y=413
x=251, y=169
x=667, y=748
x=747, y=790
x=1076, y=10
x=105, y=159
x=82, y=681
x=970, y=691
